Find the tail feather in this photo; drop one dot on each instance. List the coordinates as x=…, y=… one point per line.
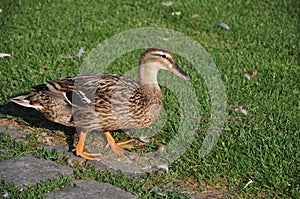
x=21, y=100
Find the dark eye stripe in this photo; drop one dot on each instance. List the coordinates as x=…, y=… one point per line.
x=163, y=56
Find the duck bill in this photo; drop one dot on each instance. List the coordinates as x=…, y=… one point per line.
x=178, y=72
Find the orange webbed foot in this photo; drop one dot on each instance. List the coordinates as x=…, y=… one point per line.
x=118, y=148
x=80, y=146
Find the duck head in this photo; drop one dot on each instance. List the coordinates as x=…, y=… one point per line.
x=155, y=59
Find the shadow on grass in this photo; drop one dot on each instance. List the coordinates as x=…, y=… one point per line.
x=36, y=119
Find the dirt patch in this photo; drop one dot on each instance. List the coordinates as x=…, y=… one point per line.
x=198, y=190
x=13, y=124
x=44, y=136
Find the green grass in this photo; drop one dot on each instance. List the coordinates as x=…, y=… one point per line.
x=263, y=35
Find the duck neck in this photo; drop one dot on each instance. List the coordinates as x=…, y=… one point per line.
x=148, y=74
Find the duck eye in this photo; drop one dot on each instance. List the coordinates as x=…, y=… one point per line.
x=164, y=56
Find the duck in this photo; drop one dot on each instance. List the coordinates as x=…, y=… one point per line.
x=105, y=102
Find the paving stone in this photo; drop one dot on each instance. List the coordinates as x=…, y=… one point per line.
x=29, y=170
x=61, y=147
x=91, y=189
x=131, y=164
x=12, y=132
x=117, y=168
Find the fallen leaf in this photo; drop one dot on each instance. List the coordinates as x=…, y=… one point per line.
x=240, y=108
x=167, y=3
x=144, y=138
x=248, y=183
x=80, y=53
x=5, y=194
x=195, y=15
x=243, y=111
x=247, y=76
x=160, y=148
x=254, y=73
x=224, y=25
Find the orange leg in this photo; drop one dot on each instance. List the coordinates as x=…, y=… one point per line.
x=118, y=148
x=80, y=146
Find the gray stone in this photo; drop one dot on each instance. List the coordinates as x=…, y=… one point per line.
x=29, y=170
x=91, y=189
x=12, y=132
x=61, y=147
x=131, y=164
x=76, y=161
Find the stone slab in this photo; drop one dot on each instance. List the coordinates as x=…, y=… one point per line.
x=13, y=133
x=131, y=164
x=93, y=190
x=29, y=170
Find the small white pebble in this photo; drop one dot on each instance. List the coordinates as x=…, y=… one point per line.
x=5, y=194
x=167, y=3
x=0, y=10
x=163, y=167
x=176, y=13
x=224, y=25
x=4, y=55
x=247, y=76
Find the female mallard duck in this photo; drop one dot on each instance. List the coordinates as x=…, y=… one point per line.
x=105, y=102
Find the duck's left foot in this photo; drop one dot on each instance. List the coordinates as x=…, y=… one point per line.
x=86, y=155
x=80, y=146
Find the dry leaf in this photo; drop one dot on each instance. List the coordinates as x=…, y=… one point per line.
x=224, y=25
x=254, y=73
x=160, y=148
x=248, y=183
x=244, y=111
x=247, y=76
x=144, y=139
x=80, y=53
x=240, y=108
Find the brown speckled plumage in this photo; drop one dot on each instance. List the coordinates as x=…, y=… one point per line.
x=105, y=102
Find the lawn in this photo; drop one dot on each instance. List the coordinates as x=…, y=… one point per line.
x=260, y=137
